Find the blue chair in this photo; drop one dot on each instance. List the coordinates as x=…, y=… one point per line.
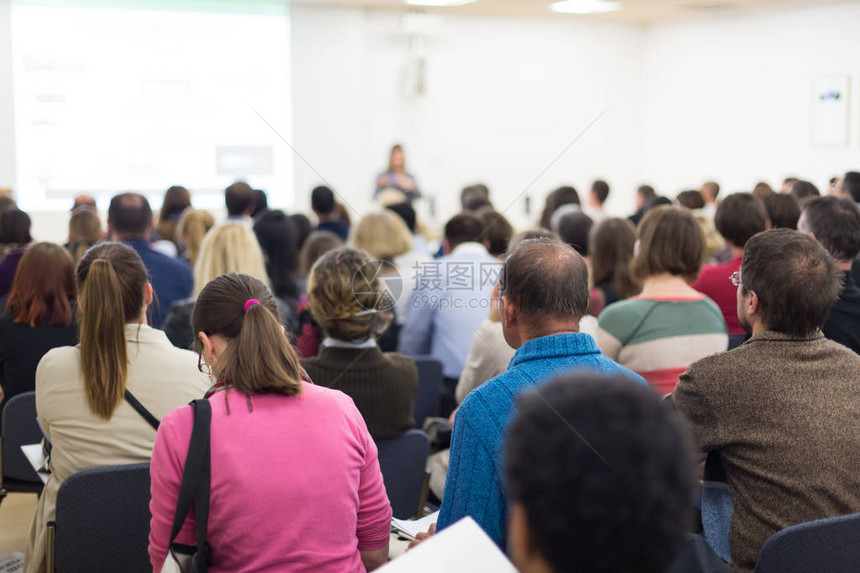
x=19, y=429
x=429, y=383
x=102, y=522
x=403, y=462
x=831, y=545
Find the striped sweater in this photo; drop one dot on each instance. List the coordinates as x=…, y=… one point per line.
x=659, y=337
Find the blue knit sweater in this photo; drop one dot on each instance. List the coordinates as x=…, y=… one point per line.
x=475, y=485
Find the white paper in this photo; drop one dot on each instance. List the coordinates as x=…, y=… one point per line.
x=36, y=456
x=413, y=528
x=12, y=562
x=460, y=548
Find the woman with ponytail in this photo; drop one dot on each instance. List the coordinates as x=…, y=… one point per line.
x=84, y=393
x=293, y=468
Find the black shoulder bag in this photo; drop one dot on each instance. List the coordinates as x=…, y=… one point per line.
x=194, y=491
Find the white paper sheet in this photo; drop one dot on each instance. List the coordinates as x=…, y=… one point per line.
x=36, y=456
x=413, y=528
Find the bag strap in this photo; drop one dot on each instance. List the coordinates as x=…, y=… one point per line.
x=194, y=489
x=140, y=409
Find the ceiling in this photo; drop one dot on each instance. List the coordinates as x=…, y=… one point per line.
x=643, y=11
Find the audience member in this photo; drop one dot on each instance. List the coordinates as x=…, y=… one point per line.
x=833, y=187
x=323, y=204
x=84, y=200
x=310, y=334
x=84, y=393
x=333, y=514
x=710, y=191
x=190, y=231
x=350, y=304
x=566, y=195
x=597, y=196
x=669, y=325
x=130, y=222
x=176, y=200
x=783, y=211
x=739, y=217
x=303, y=228
x=644, y=195
x=574, y=228
x=497, y=231
x=445, y=308
x=787, y=184
x=261, y=204
x=473, y=197
x=781, y=410
x=231, y=247
x=610, y=251
x=385, y=237
x=239, y=198
x=835, y=223
x=692, y=200
x=274, y=232
x=803, y=190
x=762, y=190
x=14, y=239
x=849, y=186
x=622, y=485
x=396, y=176
x=85, y=230
x=39, y=316
x=544, y=290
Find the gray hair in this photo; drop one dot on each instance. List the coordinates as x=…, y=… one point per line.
x=546, y=278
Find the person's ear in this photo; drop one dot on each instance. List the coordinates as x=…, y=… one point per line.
x=446, y=247
x=753, y=304
x=521, y=548
x=147, y=294
x=210, y=353
x=509, y=311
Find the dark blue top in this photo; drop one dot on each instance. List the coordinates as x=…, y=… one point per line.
x=339, y=228
x=170, y=277
x=474, y=485
x=843, y=324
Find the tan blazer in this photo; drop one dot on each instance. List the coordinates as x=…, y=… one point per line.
x=160, y=376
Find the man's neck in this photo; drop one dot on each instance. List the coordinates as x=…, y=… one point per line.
x=120, y=237
x=328, y=217
x=550, y=328
x=737, y=252
x=595, y=204
x=843, y=265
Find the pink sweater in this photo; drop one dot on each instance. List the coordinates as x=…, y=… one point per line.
x=296, y=484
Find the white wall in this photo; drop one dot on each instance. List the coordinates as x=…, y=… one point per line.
x=504, y=98
x=730, y=99
x=725, y=97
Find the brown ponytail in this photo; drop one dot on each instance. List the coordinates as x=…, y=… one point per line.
x=259, y=358
x=111, y=280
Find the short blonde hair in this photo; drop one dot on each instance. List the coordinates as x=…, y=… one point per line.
x=229, y=248
x=382, y=235
x=191, y=229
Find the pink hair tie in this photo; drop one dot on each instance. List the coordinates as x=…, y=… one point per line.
x=250, y=302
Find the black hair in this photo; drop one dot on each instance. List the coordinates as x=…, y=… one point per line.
x=739, y=217
x=130, y=215
x=463, y=228
x=621, y=484
x=497, y=231
x=261, y=204
x=783, y=210
x=302, y=229
x=574, y=228
x=691, y=199
x=601, y=190
x=275, y=234
x=802, y=190
x=851, y=185
x=546, y=278
x=322, y=200
x=15, y=227
x=794, y=278
x=835, y=222
x=239, y=199
x=406, y=212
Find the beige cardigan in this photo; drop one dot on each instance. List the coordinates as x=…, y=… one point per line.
x=160, y=376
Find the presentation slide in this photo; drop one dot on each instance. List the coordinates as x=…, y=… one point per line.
x=139, y=95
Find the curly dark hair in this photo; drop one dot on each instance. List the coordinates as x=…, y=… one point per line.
x=604, y=472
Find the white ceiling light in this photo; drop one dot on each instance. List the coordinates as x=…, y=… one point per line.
x=438, y=3
x=585, y=6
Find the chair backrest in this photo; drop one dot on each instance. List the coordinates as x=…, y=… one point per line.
x=831, y=545
x=403, y=462
x=429, y=383
x=19, y=429
x=102, y=522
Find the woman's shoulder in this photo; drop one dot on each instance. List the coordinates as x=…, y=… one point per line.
x=401, y=363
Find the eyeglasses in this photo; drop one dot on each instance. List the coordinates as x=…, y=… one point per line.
x=735, y=277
